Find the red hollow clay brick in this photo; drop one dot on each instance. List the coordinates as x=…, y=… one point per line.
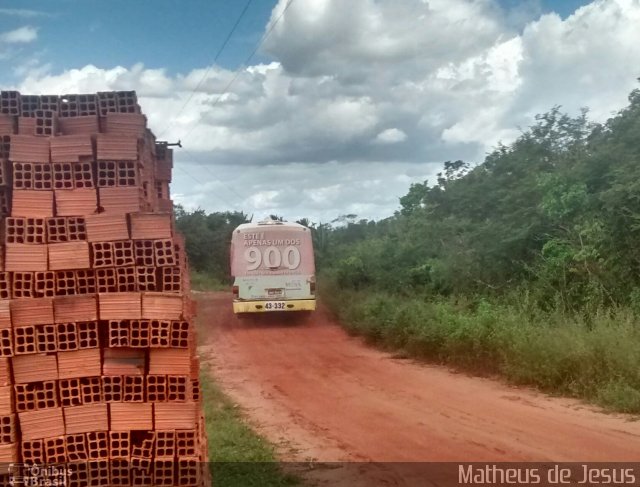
x=150, y=226
x=5, y=285
x=123, y=253
x=83, y=175
x=165, y=253
x=85, y=281
x=46, y=394
x=165, y=445
x=25, y=257
x=106, y=280
x=133, y=390
x=35, y=367
x=188, y=471
x=32, y=203
x=65, y=283
x=167, y=306
x=123, y=361
x=9, y=453
x=7, y=400
x=178, y=388
x=79, y=363
x=33, y=451
x=146, y=278
x=6, y=342
x=144, y=252
x=87, y=418
x=76, y=202
x=127, y=416
x=119, y=306
x=181, y=334
x=46, y=338
x=140, y=333
x=186, y=443
x=44, y=284
x=105, y=227
x=175, y=415
x=23, y=285
x=5, y=313
x=102, y=254
x=32, y=311
x=67, y=336
x=87, y=125
x=76, y=447
x=91, y=390
x=165, y=361
x=62, y=173
x=54, y=450
x=159, y=333
x=24, y=340
x=43, y=423
x=88, y=334
x=5, y=372
x=97, y=445
x=70, y=148
x=98, y=473
x=126, y=279
x=164, y=472
x=112, y=388
x=69, y=255
x=120, y=199
x=25, y=397
x=156, y=388
x=70, y=392
x=119, y=333
x=116, y=147
x=120, y=472
x=75, y=308
x=120, y=445
x=27, y=148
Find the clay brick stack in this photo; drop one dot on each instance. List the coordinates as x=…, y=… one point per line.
x=97, y=345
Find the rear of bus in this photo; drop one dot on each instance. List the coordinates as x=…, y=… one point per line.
x=273, y=268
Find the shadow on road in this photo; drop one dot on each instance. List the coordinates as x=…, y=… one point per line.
x=274, y=319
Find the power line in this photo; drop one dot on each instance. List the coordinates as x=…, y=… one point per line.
x=200, y=182
x=246, y=62
x=226, y=89
x=204, y=76
x=206, y=167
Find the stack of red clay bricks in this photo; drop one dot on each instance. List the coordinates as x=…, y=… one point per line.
x=98, y=364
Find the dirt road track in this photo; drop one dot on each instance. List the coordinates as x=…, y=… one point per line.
x=322, y=395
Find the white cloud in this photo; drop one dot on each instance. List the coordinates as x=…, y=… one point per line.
x=21, y=35
x=391, y=136
x=424, y=81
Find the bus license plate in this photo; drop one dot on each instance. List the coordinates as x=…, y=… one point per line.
x=275, y=305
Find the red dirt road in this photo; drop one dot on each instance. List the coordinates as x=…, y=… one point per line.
x=323, y=395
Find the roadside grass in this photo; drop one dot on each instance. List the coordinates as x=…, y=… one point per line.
x=202, y=281
x=595, y=358
x=239, y=457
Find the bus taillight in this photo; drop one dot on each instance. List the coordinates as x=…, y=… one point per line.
x=312, y=287
x=236, y=291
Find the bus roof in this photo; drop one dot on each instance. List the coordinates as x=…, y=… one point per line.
x=270, y=224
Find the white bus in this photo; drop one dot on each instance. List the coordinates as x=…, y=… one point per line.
x=273, y=268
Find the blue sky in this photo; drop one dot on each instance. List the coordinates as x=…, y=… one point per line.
x=348, y=102
x=172, y=34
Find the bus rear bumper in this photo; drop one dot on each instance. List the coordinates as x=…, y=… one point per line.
x=259, y=306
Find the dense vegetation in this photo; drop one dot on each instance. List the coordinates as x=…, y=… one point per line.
x=527, y=264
